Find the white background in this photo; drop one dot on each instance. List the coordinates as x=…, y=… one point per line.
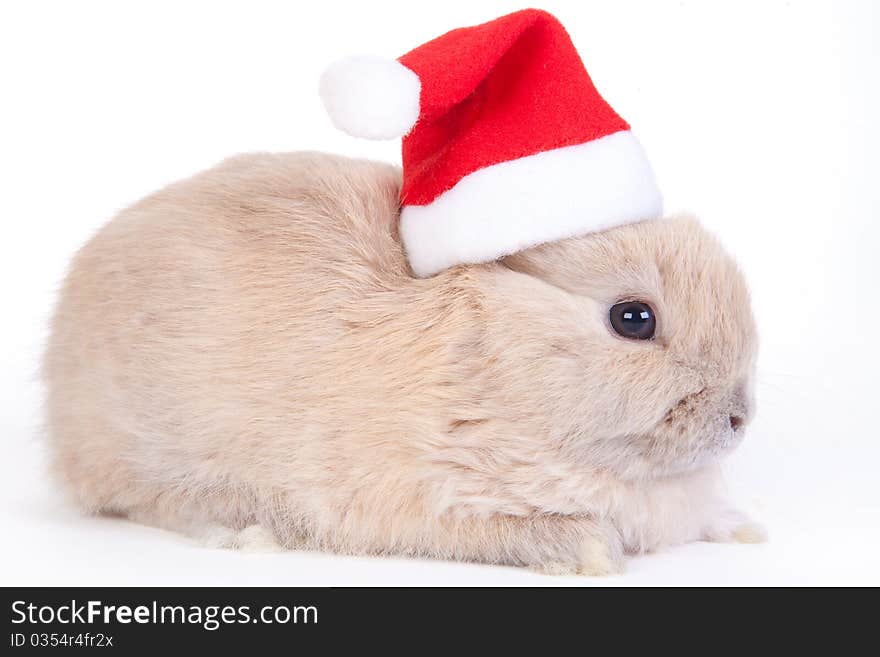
x=761, y=117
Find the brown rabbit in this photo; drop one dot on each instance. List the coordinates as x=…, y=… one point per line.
x=248, y=350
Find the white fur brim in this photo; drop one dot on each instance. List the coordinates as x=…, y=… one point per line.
x=545, y=197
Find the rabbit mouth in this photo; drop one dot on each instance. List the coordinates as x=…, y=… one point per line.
x=675, y=446
x=681, y=453
x=664, y=452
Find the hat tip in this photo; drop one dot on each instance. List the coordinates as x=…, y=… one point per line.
x=371, y=97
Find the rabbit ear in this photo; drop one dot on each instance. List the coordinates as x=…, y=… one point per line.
x=371, y=97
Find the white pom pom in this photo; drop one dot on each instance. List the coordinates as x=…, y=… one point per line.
x=371, y=97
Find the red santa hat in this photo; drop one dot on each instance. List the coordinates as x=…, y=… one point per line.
x=507, y=144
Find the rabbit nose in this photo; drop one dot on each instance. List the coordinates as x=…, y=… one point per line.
x=740, y=407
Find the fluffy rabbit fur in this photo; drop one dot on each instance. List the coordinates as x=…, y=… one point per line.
x=247, y=350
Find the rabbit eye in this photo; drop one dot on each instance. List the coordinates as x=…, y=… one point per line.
x=633, y=320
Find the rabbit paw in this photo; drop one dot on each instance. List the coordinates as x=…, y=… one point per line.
x=735, y=527
x=257, y=538
x=254, y=538
x=596, y=558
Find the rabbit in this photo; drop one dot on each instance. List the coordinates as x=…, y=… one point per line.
x=246, y=358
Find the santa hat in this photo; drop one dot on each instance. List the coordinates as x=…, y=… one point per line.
x=507, y=142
